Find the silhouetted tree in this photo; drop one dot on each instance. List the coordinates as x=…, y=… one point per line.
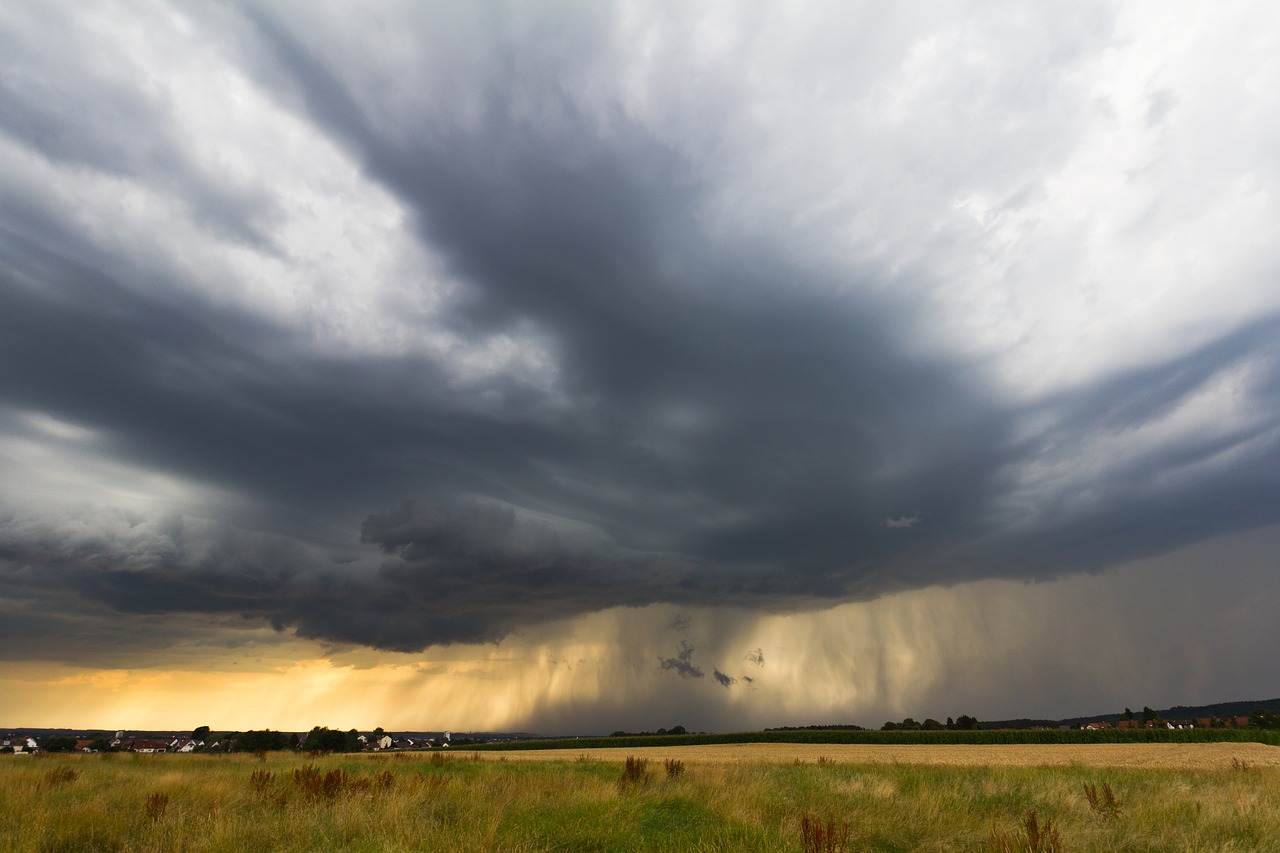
x=263, y=741
x=59, y=743
x=1264, y=719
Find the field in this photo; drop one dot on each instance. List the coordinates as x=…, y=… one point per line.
x=763, y=797
x=1162, y=756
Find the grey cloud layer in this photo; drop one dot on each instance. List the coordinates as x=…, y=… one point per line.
x=733, y=418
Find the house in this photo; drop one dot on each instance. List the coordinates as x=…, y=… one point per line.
x=1098, y=726
x=185, y=745
x=84, y=745
x=148, y=745
x=384, y=742
x=20, y=744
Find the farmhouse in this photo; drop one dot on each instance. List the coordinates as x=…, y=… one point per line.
x=19, y=744
x=145, y=745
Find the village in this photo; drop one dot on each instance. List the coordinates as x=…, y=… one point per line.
x=22, y=744
x=322, y=739
x=1201, y=722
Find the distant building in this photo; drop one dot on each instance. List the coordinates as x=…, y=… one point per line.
x=146, y=745
x=20, y=744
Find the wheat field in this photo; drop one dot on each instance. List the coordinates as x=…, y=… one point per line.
x=1156, y=756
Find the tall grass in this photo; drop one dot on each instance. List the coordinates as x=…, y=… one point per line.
x=817, y=837
x=1102, y=801
x=1036, y=837
x=473, y=803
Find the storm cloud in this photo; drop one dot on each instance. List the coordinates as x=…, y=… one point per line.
x=443, y=323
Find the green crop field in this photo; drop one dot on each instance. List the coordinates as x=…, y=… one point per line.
x=481, y=802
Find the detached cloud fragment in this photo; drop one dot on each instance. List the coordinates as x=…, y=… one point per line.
x=683, y=664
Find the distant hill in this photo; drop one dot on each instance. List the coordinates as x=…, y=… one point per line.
x=1177, y=712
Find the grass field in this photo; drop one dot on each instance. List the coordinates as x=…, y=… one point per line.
x=765, y=797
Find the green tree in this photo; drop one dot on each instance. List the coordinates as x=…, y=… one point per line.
x=907, y=725
x=1264, y=719
x=200, y=733
x=1148, y=715
x=60, y=743
x=263, y=741
x=326, y=739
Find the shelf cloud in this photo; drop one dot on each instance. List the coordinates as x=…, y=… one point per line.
x=448, y=325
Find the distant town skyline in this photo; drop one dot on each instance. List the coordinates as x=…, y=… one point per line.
x=582, y=367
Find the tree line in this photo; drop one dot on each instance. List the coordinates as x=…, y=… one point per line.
x=962, y=723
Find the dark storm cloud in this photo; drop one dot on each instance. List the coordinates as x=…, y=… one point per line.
x=731, y=422
x=801, y=393
x=1161, y=495
x=75, y=98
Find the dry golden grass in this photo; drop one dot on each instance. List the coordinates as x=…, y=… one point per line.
x=1154, y=756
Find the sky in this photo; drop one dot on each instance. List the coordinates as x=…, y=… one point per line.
x=573, y=367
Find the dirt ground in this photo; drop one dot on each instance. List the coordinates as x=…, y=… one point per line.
x=1146, y=755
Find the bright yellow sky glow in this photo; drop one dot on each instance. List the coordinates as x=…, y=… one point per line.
x=919, y=653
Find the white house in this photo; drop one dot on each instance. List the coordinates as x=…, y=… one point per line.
x=20, y=745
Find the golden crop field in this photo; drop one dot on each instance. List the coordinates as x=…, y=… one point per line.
x=1167, y=756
